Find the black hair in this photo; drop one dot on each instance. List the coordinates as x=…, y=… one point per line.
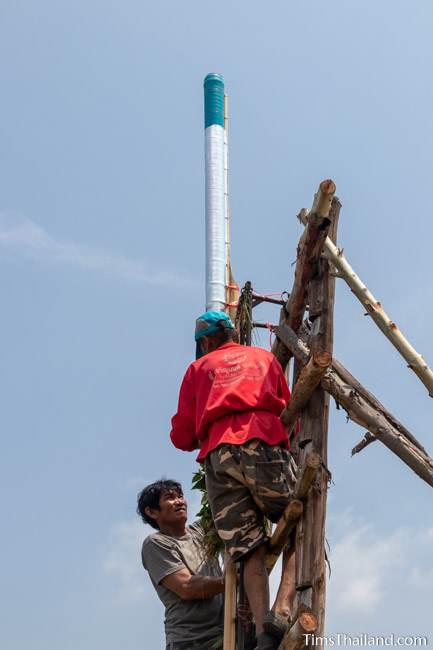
x=225, y=333
x=150, y=496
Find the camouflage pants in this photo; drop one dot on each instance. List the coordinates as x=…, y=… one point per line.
x=245, y=484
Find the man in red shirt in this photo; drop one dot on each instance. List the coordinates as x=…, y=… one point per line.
x=230, y=403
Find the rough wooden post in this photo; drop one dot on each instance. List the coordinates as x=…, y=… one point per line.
x=309, y=251
x=310, y=542
x=230, y=605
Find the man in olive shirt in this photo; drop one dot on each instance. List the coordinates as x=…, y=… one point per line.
x=189, y=584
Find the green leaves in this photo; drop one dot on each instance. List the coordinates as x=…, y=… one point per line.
x=213, y=544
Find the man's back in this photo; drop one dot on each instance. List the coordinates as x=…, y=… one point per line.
x=231, y=395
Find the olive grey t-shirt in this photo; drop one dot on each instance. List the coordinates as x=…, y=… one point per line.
x=185, y=620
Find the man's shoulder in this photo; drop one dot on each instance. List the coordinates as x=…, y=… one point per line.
x=196, y=529
x=162, y=540
x=156, y=543
x=254, y=352
x=255, y=349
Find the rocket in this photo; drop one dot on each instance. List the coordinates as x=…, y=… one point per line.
x=221, y=291
x=214, y=192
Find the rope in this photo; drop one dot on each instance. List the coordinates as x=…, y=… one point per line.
x=271, y=331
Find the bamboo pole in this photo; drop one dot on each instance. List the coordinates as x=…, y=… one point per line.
x=230, y=605
x=415, y=361
x=232, y=288
x=364, y=412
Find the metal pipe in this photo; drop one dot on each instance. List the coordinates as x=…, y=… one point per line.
x=215, y=192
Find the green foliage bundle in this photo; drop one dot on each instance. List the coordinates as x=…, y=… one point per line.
x=212, y=542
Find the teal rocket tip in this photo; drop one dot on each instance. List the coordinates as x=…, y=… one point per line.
x=213, y=100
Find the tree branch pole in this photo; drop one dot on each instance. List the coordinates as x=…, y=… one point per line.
x=363, y=412
x=350, y=379
x=374, y=308
x=362, y=444
x=294, y=510
x=309, y=377
x=282, y=531
x=307, y=474
x=313, y=438
x=308, y=254
x=298, y=635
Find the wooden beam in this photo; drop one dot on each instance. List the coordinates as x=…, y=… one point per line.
x=304, y=481
x=323, y=198
x=259, y=298
x=280, y=536
x=308, y=254
x=307, y=474
x=295, y=637
x=350, y=379
x=232, y=293
x=362, y=444
x=365, y=413
x=309, y=377
x=414, y=360
x=313, y=437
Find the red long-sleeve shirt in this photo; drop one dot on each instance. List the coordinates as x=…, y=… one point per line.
x=230, y=395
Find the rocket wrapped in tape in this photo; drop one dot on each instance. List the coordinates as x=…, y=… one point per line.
x=222, y=292
x=214, y=191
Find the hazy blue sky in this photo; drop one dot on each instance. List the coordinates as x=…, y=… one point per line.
x=101, y=277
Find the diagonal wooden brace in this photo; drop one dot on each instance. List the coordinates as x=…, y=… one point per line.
x=365, y=409
x=282, y=531
x=309, y=377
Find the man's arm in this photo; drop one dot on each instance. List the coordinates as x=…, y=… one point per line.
x=183, y=434
x=190, y=587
